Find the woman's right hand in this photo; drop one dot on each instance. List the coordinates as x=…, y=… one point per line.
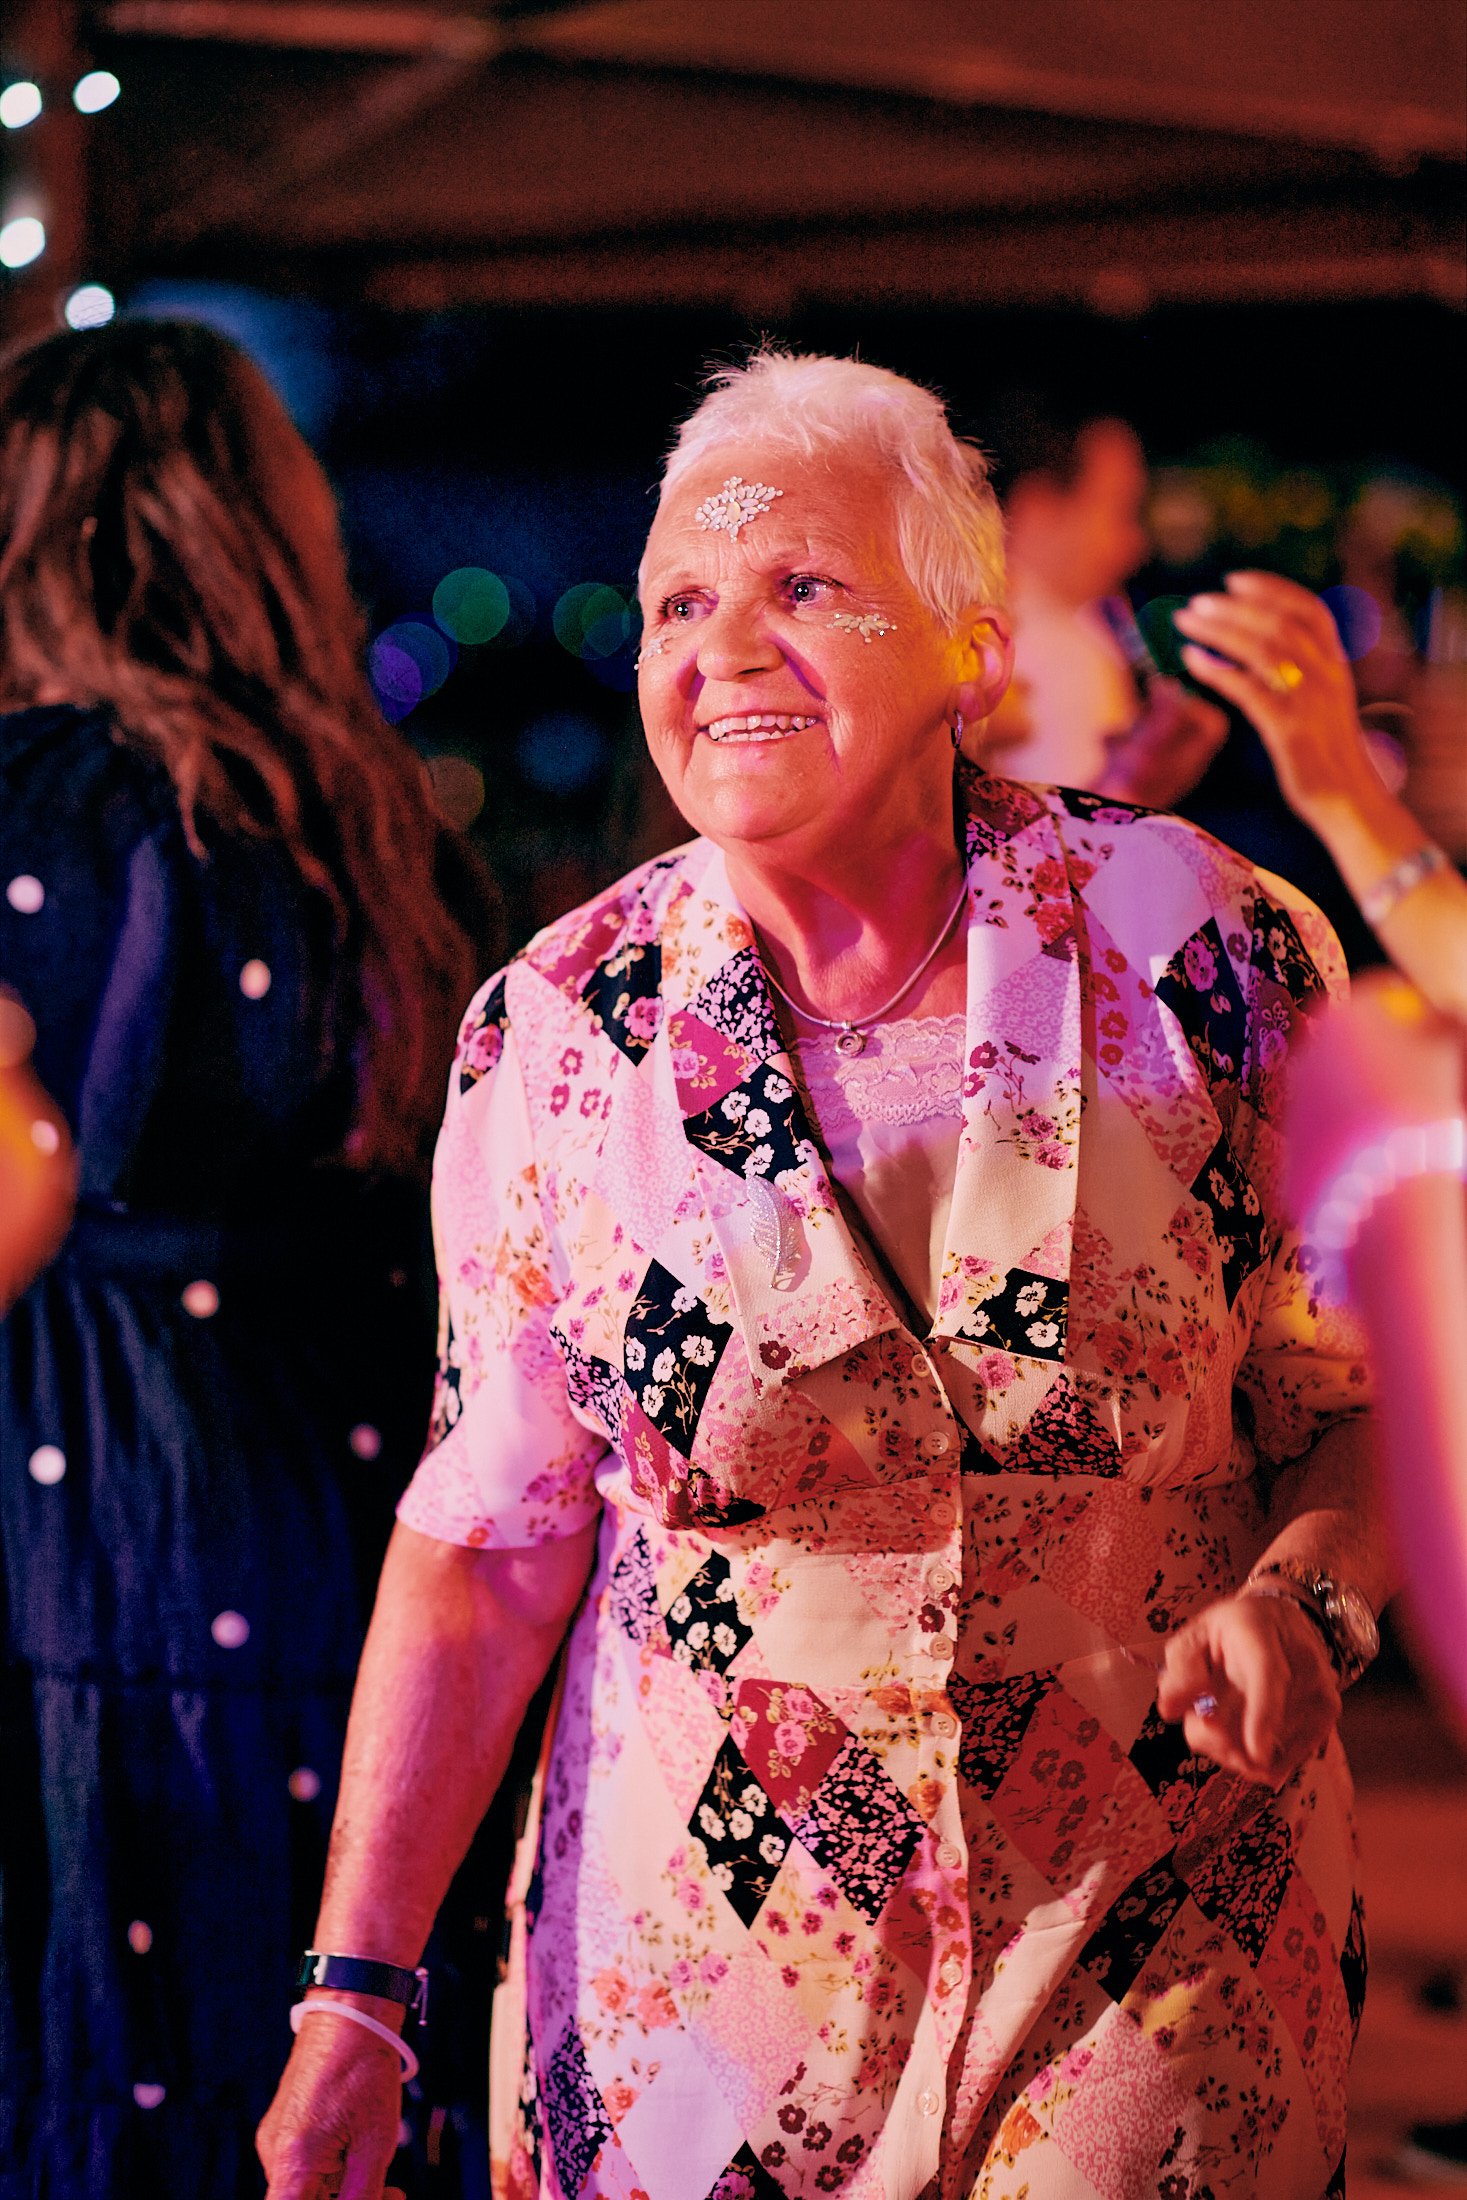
x=1273, y=650
x=332, y=2129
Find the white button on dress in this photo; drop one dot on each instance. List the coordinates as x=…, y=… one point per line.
x=231, y=1630
x=201, y=1299
x=254, y=979
x=47, y=1464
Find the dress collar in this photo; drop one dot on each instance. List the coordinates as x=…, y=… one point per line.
x=803, y=1294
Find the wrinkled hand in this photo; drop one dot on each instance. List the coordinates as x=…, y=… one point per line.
x=1262, y=1660
x=1272, y=649
x=332, y=2128
x=1161, y=756
x=1383, y=1059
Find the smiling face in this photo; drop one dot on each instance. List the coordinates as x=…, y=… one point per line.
x=795, y=689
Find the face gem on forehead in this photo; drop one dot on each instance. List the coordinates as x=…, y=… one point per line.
x=870, y=625
x=737, y=504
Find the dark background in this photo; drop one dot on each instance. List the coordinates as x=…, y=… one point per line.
x=486, y=248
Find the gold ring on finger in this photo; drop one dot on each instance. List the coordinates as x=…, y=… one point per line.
x=1285, y=676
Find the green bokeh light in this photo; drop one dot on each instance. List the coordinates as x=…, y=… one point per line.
x=592, y=620
x=472, y=604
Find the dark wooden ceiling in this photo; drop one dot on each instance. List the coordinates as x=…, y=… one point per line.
x=764, y=154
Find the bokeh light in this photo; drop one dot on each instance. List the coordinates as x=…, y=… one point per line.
x=19, y=104
x=408, y=661
x=21, y=241
x=472, y=604
x=593, y=620
x=457, y=789
x=90, y=305
x=562, y=753
x=94, y=91
x=1357, y=615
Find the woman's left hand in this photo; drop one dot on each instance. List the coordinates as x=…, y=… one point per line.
x=1262, y=1662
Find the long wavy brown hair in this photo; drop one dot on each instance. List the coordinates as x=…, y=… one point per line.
x=169, y=549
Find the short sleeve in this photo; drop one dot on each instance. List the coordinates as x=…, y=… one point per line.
x=1305, y=1365
x=507, y=1463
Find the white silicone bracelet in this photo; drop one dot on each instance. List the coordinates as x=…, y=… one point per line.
x=304, y=2009
x=1364, y=1178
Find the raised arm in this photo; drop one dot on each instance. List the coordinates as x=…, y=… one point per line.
x=1272, y=649
x=460, y=1640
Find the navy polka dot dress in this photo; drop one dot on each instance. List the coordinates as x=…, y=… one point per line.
x=208, y=1405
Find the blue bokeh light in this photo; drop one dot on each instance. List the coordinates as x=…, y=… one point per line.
x=408, y=661
x=1357, y=615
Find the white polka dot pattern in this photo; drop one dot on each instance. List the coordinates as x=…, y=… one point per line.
x=201, y=1299
x=231, y=1630
x=254, y=979
x=26, y=895
x=47, y=1464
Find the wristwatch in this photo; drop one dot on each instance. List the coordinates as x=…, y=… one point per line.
x=1340, y=1611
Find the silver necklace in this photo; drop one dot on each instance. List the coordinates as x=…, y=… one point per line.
x=852, y=1039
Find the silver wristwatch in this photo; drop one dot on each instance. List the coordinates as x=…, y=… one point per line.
x=1340, y=1610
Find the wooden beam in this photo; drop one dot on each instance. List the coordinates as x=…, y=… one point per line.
x=395, y=96
x=1122, y=267
x=321, y=28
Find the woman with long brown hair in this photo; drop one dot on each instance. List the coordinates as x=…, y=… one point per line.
x=227, y=906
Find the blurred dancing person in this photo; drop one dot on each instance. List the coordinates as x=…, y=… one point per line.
x=220, y=905
x=1078, y=713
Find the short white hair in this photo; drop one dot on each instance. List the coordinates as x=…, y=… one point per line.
x=949, y=528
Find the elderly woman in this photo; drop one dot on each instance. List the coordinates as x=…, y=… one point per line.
x=861, y=1256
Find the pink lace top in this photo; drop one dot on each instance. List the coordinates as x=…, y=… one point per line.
x=891, y=1119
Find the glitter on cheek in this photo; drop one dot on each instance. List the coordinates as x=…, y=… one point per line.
x=870, y=625
x=651, y=649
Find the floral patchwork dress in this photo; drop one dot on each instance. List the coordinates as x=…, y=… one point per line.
x=861, y=1861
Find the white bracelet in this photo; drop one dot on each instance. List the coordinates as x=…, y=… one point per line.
x=304, y=2009
x=1364, y=1178
x=1377, y=902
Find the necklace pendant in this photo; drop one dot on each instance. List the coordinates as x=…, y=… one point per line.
x=851, y=1041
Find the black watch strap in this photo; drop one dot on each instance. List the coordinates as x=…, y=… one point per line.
x=359, y=1975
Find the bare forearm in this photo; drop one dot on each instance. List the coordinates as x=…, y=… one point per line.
x=459, y=1642
x=1328, y=1512
x=1425, y=935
